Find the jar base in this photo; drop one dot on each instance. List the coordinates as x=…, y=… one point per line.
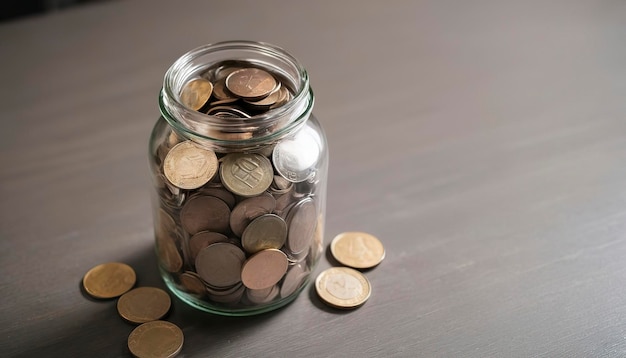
x=224, y=310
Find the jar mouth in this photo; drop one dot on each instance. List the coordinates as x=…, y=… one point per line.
x=236, y=132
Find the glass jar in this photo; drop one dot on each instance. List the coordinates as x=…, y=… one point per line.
x=239, y=179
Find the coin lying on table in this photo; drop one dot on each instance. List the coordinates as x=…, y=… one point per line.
x=189, y=166
x=144, y=304
x=109, y=280
x=357, y=249
x=343, y=287
x=156, y=339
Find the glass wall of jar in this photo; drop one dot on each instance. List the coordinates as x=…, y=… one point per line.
x=239, y=166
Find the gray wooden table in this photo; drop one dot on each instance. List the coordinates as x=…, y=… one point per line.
x=483, y=142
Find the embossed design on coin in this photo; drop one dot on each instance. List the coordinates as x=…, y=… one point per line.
x=109, y=280
x=246, y=174
x=343, y=287
x=144, y=304
x=357, y=249
x=205, y=213
x=196, y=93
x=189, y=166
x=264, y=269
x=220, y=264
x=267, y=231
x=250, y=83
x=156, y=339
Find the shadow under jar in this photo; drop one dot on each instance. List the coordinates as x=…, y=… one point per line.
x=239, y=166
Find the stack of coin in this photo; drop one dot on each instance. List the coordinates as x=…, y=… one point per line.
x=144, y=306
x=345, y=287
x=235, y=228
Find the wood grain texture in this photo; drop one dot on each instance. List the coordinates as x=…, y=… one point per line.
x=483, y=142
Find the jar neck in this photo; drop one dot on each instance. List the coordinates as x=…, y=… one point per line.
x=227, y=134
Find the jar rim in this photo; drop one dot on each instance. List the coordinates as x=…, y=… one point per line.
x=190, y=122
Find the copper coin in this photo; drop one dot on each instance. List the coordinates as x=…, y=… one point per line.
x=189, y=166
x=343, y=287
x=232, y=296
x=246, y=174
x=285, y=96
x=267, y=231
x=250, y=83
x=262, y=296
x=301, y=221
x=109, y=280
x=220, y=193
x=196, y=93
x=168, y=254
x=358, y=250
x=156, y=339
x=266, y=102
x=264, y=269
x=296, y=275
x=248, y=210
x=220, y=264
x=203, y=239
x=222, y=93
x=144, y=304
x=205, y=213
x=192, y=283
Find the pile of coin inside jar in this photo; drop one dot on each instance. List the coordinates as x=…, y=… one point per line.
x=235, y=228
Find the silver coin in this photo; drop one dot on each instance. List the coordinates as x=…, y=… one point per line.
x=295, y=158
x=220, y=264
x=301, y=221
x=267, y=231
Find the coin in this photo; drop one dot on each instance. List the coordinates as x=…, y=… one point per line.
x=221, y=93
x=264, y=269
x=266, y=102
x=359, y=250
x=220, y=264
x=295, y=158
x=246, y=174
x=296, y=274
x=301, y=221
x=262, y=296
x=248, y=210
x=267, y=231
x=189, y=166
x=203, y=239
x=205, y=213
x=250, y=83
x=166, y=224
x=156, y=339
x=192, y=283
x=168, y=254
x=232, y=295
x=196, y=93
x=342, y=287
x=144, y=304
x=109, y=280
x=219, y=193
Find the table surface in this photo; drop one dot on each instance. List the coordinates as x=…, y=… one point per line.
x=483, y=142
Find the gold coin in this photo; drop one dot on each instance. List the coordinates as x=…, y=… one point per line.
x=196, y=93
x=357, y=249
x=189, y=166
x=267, y=231
x=250, y=83
x=343, y=287
x=156, y=339
x=144, y=304
x=246, y=174
x=168, y=254
x=109, y=280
